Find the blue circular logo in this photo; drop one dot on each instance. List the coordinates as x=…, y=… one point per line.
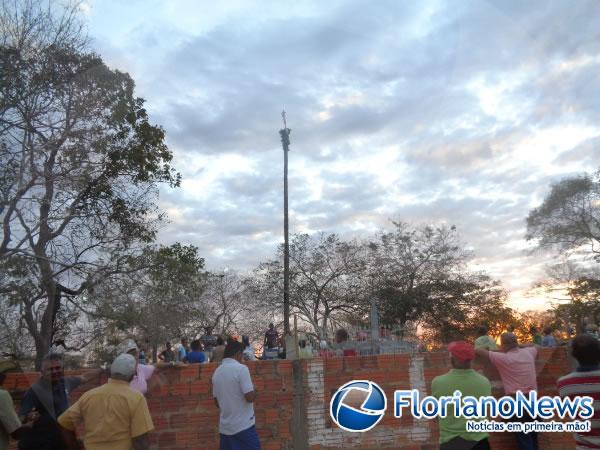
x=358, y=405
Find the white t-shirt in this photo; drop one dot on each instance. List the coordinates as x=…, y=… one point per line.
x=230, y=382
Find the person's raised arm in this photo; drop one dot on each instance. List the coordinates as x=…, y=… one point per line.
x=482, y=353
x=90, y=375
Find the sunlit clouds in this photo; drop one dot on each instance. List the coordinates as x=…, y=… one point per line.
x=426, y=112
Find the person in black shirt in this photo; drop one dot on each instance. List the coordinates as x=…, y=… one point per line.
x=167, y=355
x=47, y=399
x=271, y=337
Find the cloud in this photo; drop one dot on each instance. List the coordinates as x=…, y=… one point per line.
x=587, y=153
x=431, y=111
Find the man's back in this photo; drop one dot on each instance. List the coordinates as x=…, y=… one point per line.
x=516, y=368
x=468, y=382
x=549, y=341
x=584, y=383
x=230, y=382
x=112, y=414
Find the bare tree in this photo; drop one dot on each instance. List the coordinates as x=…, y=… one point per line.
x=226, y=301
x=327, y=279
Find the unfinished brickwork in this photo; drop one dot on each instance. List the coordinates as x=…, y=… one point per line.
x=293, y=401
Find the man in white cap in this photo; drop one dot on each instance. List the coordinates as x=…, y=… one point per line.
x=115, y=416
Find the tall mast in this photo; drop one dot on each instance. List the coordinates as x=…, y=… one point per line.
x=285, y=143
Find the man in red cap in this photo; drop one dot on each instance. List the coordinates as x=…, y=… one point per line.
x=453, y=434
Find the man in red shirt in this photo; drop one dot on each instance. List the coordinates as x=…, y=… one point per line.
x=585, y=381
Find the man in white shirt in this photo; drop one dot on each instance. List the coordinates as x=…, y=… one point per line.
x=234, y=395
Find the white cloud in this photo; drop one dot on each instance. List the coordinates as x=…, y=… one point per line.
x=431, y=111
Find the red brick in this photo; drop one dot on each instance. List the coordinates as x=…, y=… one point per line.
x=200, y=387
x=207, y=370
x=271, y=415
x=180, y=389
x=166, y=438
x=285, y=368
x=180, y=420
x=190, y=420
x=189, y=372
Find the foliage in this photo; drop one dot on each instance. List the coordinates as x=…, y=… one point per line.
x=420, y=274
x=408, y=264
x=414, y=275
x=584, y=305
x=80, y=164
x=154, y=304
x=574, y=285
x=569, y=217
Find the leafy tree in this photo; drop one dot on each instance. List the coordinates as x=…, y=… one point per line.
x=154, y=304
x=406, y=264
x=569, y=217
x=457, y=307
x=80, y=164
x=420, y=275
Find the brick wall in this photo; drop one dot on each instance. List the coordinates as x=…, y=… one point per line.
x=293, y=399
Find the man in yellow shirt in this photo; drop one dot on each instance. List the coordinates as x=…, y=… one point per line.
x=115, y=417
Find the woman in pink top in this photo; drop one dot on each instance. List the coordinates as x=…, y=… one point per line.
x=143, y=372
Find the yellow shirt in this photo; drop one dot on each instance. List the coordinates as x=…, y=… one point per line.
x=112, y=415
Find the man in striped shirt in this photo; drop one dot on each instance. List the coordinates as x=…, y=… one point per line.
x=585, y=381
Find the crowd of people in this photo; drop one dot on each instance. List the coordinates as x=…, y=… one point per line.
x=115, y=415
x=208, y=348
x=516, y=365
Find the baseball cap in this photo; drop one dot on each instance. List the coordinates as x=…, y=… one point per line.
x=461, y=350
x=128, y=345
x=123, y=364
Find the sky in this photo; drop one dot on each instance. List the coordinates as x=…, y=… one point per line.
x=427, y=112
